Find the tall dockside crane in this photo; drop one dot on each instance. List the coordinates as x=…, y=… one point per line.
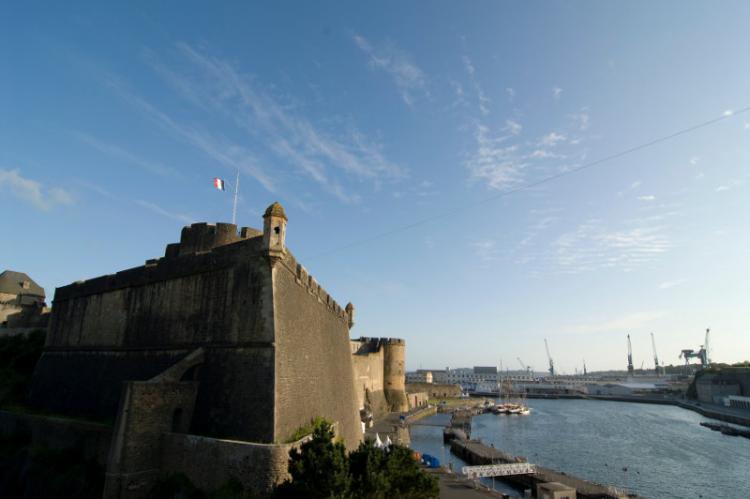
x=702, y=354
x=630, y=358
x=656, y=357
x=706, y=359
x=549, y=357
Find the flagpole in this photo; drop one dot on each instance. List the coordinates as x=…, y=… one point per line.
x=236, y=192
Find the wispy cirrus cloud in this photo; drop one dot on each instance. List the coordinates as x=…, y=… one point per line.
x=581, y=120
x=737, y=182
x=485, y=251
x=482, y=99
x=41, y=197
x=495, y=161
x=672, y=284
x=513, y=127
x=552, y=139
x=155, y=208
x=593, y=245
x=122, y=154
x=628, y=322
x=407, y=76
x=501, y=159
x=334, y=160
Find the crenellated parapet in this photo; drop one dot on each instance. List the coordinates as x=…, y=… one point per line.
x=303, y=279
x=201, y=237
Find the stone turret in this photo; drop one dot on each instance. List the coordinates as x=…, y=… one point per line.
x=394, y=373
x=274, y=231
x=350, y=314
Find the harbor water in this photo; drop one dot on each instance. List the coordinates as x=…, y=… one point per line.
x=657, y=451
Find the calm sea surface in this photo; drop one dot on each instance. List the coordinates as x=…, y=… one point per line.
x=666, y=452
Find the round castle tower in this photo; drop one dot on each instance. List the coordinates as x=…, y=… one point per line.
x=394, y=374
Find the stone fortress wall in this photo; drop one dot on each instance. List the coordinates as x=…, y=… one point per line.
x=226, y=337
x=379, y=374
x=134, y=324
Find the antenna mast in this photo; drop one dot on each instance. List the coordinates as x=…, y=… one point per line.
x=236, y=193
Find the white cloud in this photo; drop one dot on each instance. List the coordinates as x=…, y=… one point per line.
x=581, y=120
x=694, y=160
x=469, y=65
x=544, y=154
x=557, y=92
x=638, y=320
x=498, y=164
x=181, y=217
x=483, y=100
x=552, y=139
x=41, y=197
x=409, y=78
x=672, y=284
x=485, y=250
x=510, y=92
x=728, y=112
x=650, y=197
x=730, y=185
x=635, y=184
x=593, y=246
x=513, y=127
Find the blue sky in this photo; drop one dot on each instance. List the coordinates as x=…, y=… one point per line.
x=399, y=138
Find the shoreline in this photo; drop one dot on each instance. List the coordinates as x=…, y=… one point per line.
x=712, y=411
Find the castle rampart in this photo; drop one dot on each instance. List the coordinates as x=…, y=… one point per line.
x=379, y=374
x=257, y=313
x=225, y=345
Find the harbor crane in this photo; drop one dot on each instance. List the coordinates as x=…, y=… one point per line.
x=658, y=369
x=630, y=358
x=524, y=366
x=702, y=354
x=549, y=358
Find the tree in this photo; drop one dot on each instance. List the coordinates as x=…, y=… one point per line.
x=321, y=469
x=388, y=473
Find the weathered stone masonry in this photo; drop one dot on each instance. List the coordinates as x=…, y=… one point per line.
x=226, y=337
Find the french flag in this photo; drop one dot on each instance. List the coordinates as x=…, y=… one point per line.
x=219, y=183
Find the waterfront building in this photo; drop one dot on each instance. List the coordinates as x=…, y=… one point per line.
x=737, y=401
x=555, y=490
x=21, y=301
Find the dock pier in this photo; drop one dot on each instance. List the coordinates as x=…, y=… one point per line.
x=475, y=452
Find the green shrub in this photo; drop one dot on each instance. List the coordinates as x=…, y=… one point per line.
x=306, y=430
x=322, y=469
